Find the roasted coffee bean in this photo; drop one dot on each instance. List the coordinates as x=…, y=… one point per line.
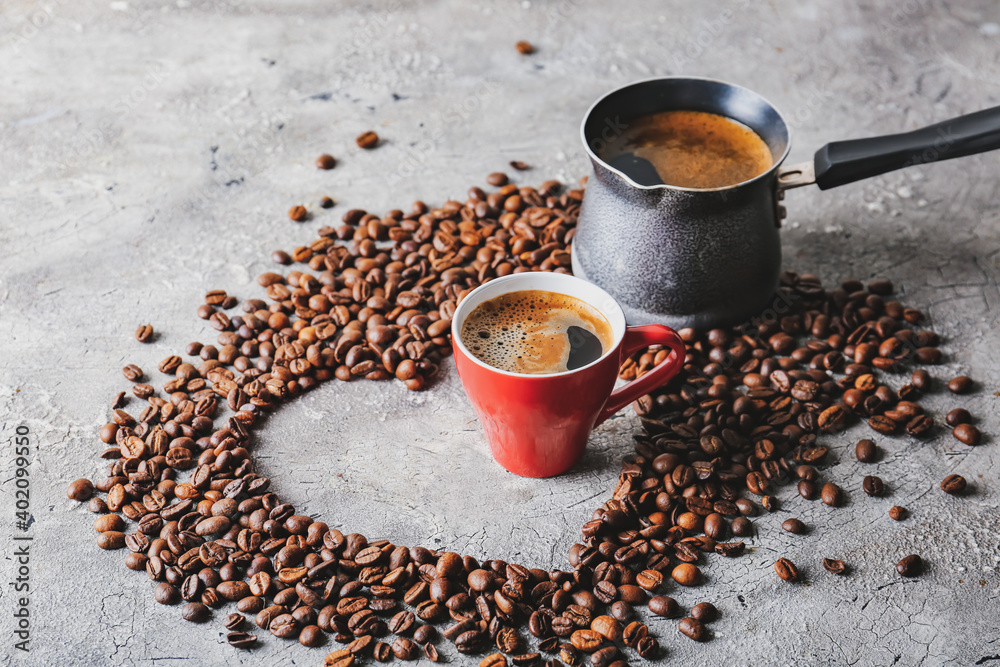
x=967, y=434
x=953, y=484
x=367, y=140
x=165, y=593
x=872, y=485
x=245, y=640
x=195, y=612
x=296, y=213
x=144, y=333
x=693, y=628
x=832, y=495
x=958, y=416
x=808, y=489
x=494, y=660
x=469, y=641
x=960, y=384
x=686, y=574
x=866, y=451
x=111, y=539
x=431, y=652
x=704, y=612
x=524, y=48
x=326, y=161
x=897, y=513
x=786, y=569
x=235, y=621
x=80, y=490
x=910, y=566
x=794, y=526
x=634, y=632
x=664, y=605
x=132, y=373
x=834, y=566
x=742, y=527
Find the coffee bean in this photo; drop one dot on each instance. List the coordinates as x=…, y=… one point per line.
x=195, y=612
x=245, y=640
x=111, y=539
x=297, y=213
x=367, y=140
x=794, y=526
x=742, y=527
x=834, y=566
x=910, y=566
x=872, y=485
x=704, y=612
x=832, y=495
x=967, y=434
x=108, y=522
x=958, y=416
x=634, y=632
x=344, y=658
x=97, y=506
x=165, y=593
x=497, y=179
x=326, y=161
x=144, y=333
x=686, y=574
x=518, y=165
x=234, y=621
x=326, y=202
x=866, y=451
x=80, y=490
x=525, y=48
x=132, y=373
x=808, y=489
x=311, y=635
x=953, y=484
x=786, y=569
x=693, y=628
x=770, y=503
x=897, y=513
x=664, y=605
x=494, y=660
x=430, y=652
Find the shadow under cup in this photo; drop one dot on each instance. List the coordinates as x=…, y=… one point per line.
x=538, y=425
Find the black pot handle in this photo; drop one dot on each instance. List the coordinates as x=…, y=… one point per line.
x=842, y=162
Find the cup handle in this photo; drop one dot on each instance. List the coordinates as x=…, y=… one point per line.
x=635, y=339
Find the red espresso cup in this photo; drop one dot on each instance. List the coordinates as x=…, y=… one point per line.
x=538, y=425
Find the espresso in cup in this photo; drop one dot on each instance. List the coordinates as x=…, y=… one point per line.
x=536, y=332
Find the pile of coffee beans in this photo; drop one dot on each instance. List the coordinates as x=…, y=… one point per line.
x=373, y=299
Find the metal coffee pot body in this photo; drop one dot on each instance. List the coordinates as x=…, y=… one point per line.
x=711, y=257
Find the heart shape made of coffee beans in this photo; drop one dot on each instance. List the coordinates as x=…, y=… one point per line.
x=374, y=300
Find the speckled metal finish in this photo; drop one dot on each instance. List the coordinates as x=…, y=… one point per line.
x=679, y=256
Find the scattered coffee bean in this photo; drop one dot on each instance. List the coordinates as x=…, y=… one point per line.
x=298, y=213
x=704, y=612
x=144, y=333
x=519, y=166
x=866, y=451
x=367, y=140
x=693, y=628
x=80, y=490
x=897, y=513
x=664, y=605
x=497, y=179
x=245, y=640
x=834, y=566
x=832, y=495
x=195, y=612
x=960, y=384
x=132, y=373
x=111, y=539
x=525, y=48
x=910, y=566
x=967, y=434
x=953, y=484
x=786, y=569
x=326, y=161
x=958, y=416
x=235, y=621
x=686, y=574
x=326, y=202
x=872, y=485
x=794, y=526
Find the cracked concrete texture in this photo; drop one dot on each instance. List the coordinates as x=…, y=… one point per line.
x=150, y=150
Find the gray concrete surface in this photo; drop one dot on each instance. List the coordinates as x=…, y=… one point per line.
x=150, y=149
